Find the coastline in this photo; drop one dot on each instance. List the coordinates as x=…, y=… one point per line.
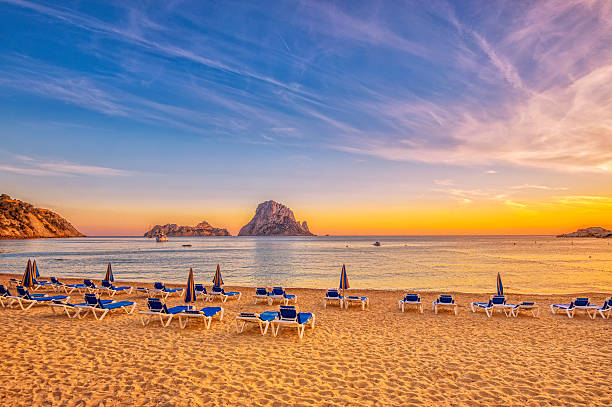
x=400, y=291
x=379, y=356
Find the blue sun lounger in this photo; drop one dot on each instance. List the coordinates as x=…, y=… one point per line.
x=66, y=307
x=444, y=301
x=68, y=288
x=112, y=290
x=92, y=287
x=333, y=296
x=206, y=314
x=496, y=303
x=40, y=284
x=201, y=290
x=262, y=320
x=163, y=291
x=217, y=291
x=261, y=293
x=605, y=309
x=278, y=293
x=355, y=299
x=411, y=300
x=57, y=285
x=528, y=306
x=578, y=304
x=6, y=298
x=27, y=300
x=157, y=308
x=290, y=317
x=99, y=308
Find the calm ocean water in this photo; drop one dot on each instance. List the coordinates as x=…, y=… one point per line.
x=528, y=264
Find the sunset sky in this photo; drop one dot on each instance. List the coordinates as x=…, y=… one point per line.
x=364, y=117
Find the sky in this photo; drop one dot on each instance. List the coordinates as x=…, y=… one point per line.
x=364, y=117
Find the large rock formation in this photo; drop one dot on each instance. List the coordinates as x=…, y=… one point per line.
x=274, y=219
x=590, y=232
x=20, y=220
x=172, y=229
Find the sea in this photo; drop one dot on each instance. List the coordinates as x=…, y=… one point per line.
x=528, y=264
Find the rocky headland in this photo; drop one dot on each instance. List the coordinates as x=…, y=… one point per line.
x=21, y=220
x=172, y=229
x=598, y=232
x=274, y=219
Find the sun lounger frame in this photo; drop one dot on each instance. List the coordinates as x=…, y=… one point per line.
x=444, y=305
x=350, y=300
x=403, y=303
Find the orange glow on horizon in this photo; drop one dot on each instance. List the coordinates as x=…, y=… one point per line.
x=434, y=219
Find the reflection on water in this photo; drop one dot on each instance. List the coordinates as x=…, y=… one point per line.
x=529, y=264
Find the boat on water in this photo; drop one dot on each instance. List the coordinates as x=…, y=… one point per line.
x=161, y=238
x=376, y=244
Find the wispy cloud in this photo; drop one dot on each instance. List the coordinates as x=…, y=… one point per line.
x=588, y=200
x=25, y=165
x=444, y=182
x=541, y=187
x=515, y=204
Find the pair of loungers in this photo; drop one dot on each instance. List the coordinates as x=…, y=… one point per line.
x=286, y=316
x=277, y=294
x=38, y=284
x=582, y=304
x=160, y=290
x=94, y=305
x=334, y=297
x=157, y=309
x=25, y=300
x=216, y=292
x=89, y=286
x=498, y=303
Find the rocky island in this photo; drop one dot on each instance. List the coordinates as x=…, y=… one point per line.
x=274, y=219
x=172, y=229
x=590, y=232
x=21, y=220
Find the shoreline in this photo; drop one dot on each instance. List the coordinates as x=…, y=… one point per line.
x=400, y=291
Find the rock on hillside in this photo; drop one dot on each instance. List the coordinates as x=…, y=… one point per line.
x=201, y=229
x=20, y=220
x=590, y=232
x=274, y=219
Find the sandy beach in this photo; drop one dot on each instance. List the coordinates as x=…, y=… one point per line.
x=375, y=357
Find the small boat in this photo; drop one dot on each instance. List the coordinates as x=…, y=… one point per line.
x=161, y=238
x=186, y=245
x=376, y=244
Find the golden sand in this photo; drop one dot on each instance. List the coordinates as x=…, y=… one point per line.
x=374, y=357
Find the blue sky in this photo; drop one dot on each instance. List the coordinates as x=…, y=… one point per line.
x=202, y=109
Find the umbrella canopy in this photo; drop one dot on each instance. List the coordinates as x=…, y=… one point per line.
x=218, y=281
x=109, y=273
x=35, y=267
x=190, y=294
x=500, y=287
x=344, y=284
x=28, y=276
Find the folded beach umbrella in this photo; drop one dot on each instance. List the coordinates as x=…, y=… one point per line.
x=218, y=281
x=190, y=294
x=500, y=287
x=109, y=273
x=344, y=284
x=28, y=276
x=35, y=267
